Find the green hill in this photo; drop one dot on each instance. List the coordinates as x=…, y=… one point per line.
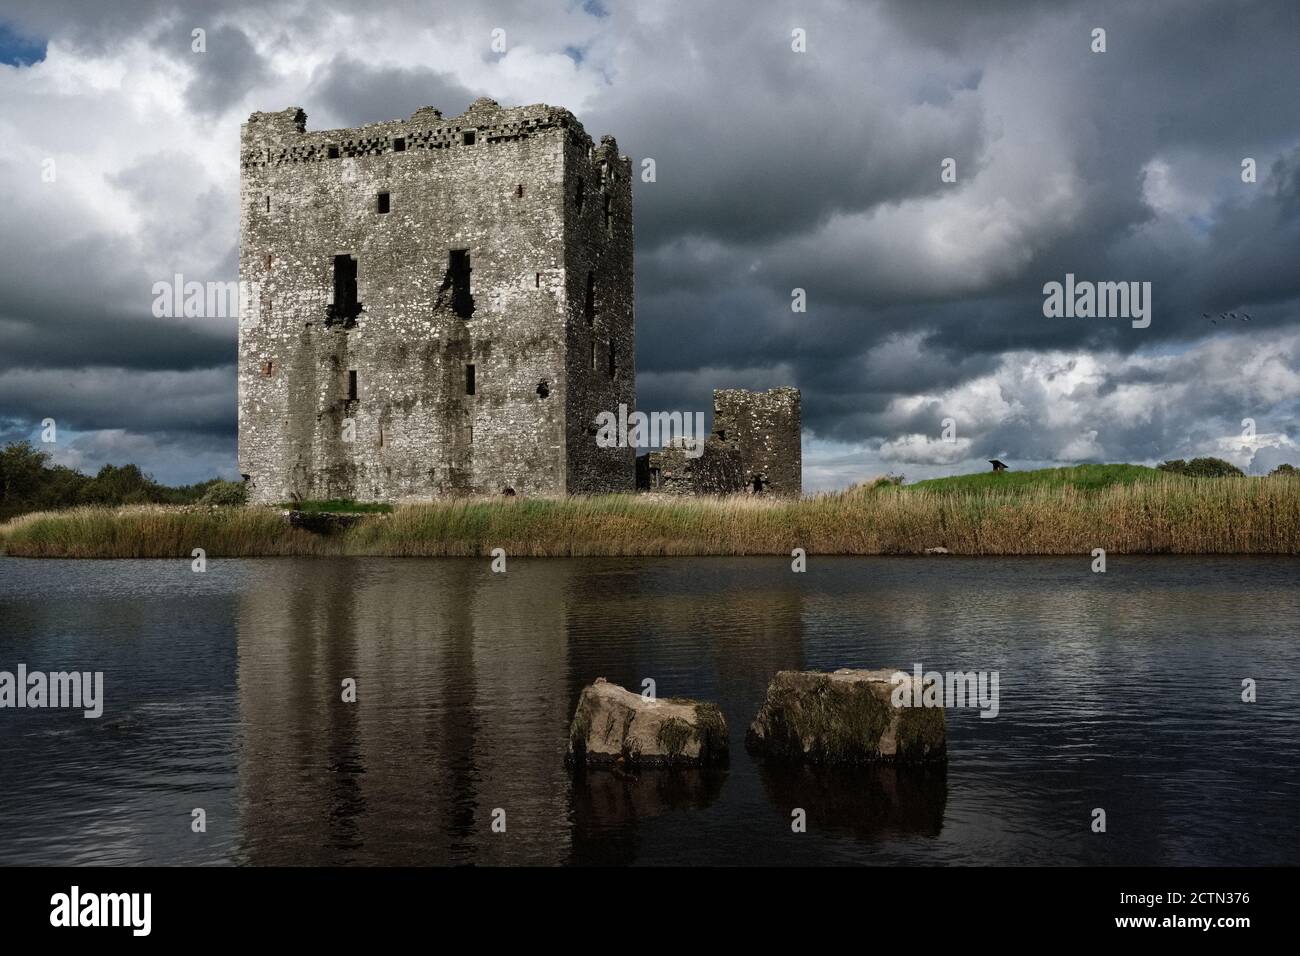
x=1082, y=477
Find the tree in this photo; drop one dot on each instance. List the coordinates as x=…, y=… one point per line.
x=1201, y=468
x=21, y=468
x=121, y=485
x=28, y=482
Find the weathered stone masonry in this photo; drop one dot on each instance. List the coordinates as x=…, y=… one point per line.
x=443, y=307
x=452, y=294
x=754, y=448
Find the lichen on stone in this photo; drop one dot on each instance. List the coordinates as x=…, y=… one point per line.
x=674, y=734
x=845, y=718
x=711, y=731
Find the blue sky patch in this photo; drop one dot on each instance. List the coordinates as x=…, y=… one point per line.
x=18, y=50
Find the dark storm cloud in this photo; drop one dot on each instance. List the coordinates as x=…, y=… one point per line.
x=775, y=170
x=224, y=72
x=752, y=141
x=83, y=297
x=1141, y=101
x=351, y=93
x=102, y=397
x=99, y=27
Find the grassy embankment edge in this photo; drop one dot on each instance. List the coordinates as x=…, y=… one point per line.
x=1124, y=509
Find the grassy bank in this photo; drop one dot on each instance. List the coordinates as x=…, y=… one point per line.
x=1065, y=514
x=1080, y=477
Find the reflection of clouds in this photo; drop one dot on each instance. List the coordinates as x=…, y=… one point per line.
x=1119, y=690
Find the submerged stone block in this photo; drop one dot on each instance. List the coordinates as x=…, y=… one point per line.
x=612, y=725
x=845, y=717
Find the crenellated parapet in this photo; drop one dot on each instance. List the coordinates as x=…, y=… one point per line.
x=272, y=139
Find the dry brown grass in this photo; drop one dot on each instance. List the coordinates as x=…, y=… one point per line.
x=1172, y=514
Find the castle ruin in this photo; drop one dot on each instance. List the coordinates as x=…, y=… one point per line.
x=443, y=306
x=754, y=447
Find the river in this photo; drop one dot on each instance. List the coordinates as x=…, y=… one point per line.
x=223, y=691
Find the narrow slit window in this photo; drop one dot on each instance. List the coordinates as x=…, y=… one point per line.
x=537, y=280
x=383, y=202
x=399, y=144
x=589, y=302
x=268, y=260
x=519, y=191
x=352, y=385
x=470, y=383
x=578, y=194
x=458, y=280
x=268, y=202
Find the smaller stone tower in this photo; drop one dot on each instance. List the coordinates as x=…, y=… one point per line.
x=761, y=430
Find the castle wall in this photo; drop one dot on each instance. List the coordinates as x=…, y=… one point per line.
x=599, y=245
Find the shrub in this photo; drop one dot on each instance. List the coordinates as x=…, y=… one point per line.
x=1284, y=469
x=225, y=493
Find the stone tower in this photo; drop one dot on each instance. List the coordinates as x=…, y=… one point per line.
x=440, y=306
x=762, y=432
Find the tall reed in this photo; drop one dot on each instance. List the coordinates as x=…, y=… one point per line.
x=1171, y=514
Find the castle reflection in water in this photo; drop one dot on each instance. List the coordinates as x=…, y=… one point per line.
x=466, y=681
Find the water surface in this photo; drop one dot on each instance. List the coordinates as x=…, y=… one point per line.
x=223, y=691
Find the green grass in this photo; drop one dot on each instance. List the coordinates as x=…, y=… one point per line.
x=1080, y=477
x=339, y=506
x=1122, y=508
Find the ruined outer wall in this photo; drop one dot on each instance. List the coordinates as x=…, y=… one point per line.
x=599, y=243
x=762, y=429
x=417, y=433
